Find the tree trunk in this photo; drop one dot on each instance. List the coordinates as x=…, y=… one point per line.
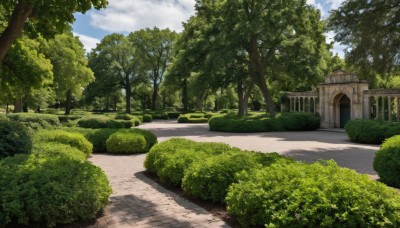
x=18, y=106
x=246, y=98
x=154, y=97
x=241, y=111
x=38, y=110
x=68, y=102
x=185, y=99
x=128, y=99
x=7, y=108
x=15, y=26
x=257, y=73
x=199, y=103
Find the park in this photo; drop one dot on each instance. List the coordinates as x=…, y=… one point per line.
x=241, y=113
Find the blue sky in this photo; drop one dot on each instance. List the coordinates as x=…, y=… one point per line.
x=124, y=16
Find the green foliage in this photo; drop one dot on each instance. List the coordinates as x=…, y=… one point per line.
x=103, y=122
x=36, y=121
x=316, y=195
x=194, y=118
x=126, y=143
x=66, y=118
x=371, y=131
x=300, y=121
x=56, y=149
x=14, y=139
x=124, y=116
x=50, y=189
x=173, y=115
x=296, y=121
x=72, y=139
x=159, y=116
x=387, y=161
x=209, y=179
x=147, y=118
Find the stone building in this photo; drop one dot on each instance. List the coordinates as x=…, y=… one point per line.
x=343, y=97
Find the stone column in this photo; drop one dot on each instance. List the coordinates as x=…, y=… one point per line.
x=367, y=108
x=315, y=105
x=309, y=104
x=377, y=107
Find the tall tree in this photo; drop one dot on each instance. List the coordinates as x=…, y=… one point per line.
x=122, y=65
x=46, y=17
x=71, y=73
x=155, y=47
x=371, y=31
x=24, y=70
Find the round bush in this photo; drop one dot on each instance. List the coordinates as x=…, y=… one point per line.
x=147, y=118
x=316, y=195
x=387, y=162
x=50, y=190
x=55, y=149
x=14, y=139
x=183, y=119
x=73, y=139
x=126, y=143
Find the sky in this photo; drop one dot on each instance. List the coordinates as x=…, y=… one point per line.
x=125, y=16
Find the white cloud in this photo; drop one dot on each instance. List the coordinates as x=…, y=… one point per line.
x=335, y=3
x=131, y=15
x=337, y=48
x=87, y=41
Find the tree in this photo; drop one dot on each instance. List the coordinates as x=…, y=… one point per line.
x=24, y=70
x=45, y=17
x=371, y=31
x=71, y=73
x=122, y=65
x=155, y=47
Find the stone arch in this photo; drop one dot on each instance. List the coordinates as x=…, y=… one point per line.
x=342, y=104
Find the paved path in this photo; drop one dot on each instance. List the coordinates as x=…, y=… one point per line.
x=139, y=202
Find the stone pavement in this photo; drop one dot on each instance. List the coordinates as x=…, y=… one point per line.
x=139, y=202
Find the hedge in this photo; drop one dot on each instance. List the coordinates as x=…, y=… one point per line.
x=296, y=121
x=98, y=137
x=14, y=139
x=173, y=115
x=128, y=117
x=36, y=121
x=159, y=115
x=371, y=131
x=194, y=118
x=104, y=122
x=48, y=190
x=126, y=143
x=316, y=195
x=55, y=149
x=387, y=162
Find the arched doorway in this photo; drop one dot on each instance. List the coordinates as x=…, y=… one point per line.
x=345, y=110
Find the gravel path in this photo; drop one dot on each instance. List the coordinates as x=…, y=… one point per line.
x=139, y=202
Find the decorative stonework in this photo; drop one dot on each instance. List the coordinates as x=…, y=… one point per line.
x=343, y=97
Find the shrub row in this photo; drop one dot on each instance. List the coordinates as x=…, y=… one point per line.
x=106, y=122
x=205, y=170
x=194, y=118
x=295, y=121
x=316, y=195
x=99, y=137
x=371, y=131
x=36, y=121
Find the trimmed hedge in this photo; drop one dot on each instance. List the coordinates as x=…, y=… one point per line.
x=36, y=121
x=128, y=117
x=103, y=122
x=14, y=139
x=316, y=195
x=147, y=118
x=371, y=131
x=55, y=149
x=159, y=115
x=50, y=190
x=72, y=139
x=126, y=143
x=98, y=137
x=209, y=179
x=194, y=118
x=387, y=162
x=296, y=121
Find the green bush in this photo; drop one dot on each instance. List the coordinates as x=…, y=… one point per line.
x=128, y=118
x=183, y=119
x=103, y=122
x=147, y=118
x=371, y=131
x=173, y=115
x=55, y=149
x=316, y=195
x=209, y=179
x=72, y=139
x=3, y=117
x=36, y=121
x=297, y=121
x=387, y=162
x=50, y=190
x=53, y=111
x=14, y=139
x=67, y=118
x=126, y=143
x=159, y=115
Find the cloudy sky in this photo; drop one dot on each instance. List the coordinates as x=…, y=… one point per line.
x=124, y=16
